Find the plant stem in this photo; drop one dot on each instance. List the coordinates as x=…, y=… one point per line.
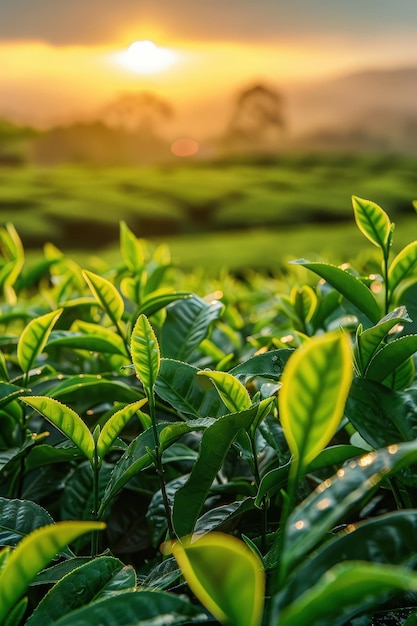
x=264, y=512
x=95, y=466
x=159, y=467
x=385, y=270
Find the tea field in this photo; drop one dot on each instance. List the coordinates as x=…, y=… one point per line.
x=242, y=213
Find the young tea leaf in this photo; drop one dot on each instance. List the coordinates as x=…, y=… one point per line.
x=106, y=295
x=145, y=353
x=66, y=420
x=131, y=249
x=225, y=575
x=403, y=268
x=315, y=385
x=115, y=425
x=34, y=337
x=232, y=392
x=349, y=286
x=32, y=554
x=372, y=221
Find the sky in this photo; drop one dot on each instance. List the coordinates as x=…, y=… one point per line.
x=61, y=59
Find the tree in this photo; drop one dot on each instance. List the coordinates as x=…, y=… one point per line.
x=257, y=119
x=137, y=111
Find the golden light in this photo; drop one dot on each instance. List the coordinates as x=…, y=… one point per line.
x=145, y=57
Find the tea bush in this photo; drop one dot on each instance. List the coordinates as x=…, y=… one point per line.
x=243, y=456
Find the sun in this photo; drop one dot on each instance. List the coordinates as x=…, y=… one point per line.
x=145, y=57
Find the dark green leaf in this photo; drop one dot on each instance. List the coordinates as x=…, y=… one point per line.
x=188, y=322
x=348, y=285
x=179, y=385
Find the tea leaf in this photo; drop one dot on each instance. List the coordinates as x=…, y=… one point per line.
x=131, y=249
x=389, y=538
x=18, y=518
x=145, y=353
x=34, y=337
x=372, y=221
x=215, y=443
x=391, y=356
x=86, y=583
x=403, y=267
x=149, y=607
x=32, y=554
x=267, y=365
x=368, y=341
x=232, y=392
x=188, y=322
x=113, y=427
x=179, y=384
x=349, y=286
x=359, y=584
x=157, y=301
x=66, y=420
x=225, y=575
x=315, y=385
x=87, y=336
x=327, y=505
x=106, y=295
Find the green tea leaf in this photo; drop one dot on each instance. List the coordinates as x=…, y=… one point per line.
x=32, y=554
x=131, y=249
x=188, y=322
x=360, y=585
x=326, y=506
x=87, y=336
x=232, y=392
x=106, y=295
x=315, y=385
x=18, y=518
x=179, y=384
x=145, y=353
x=113, y=427
x=66, y=420
x=368, y=341
x=83, y=585
x=151, y=608
x=391, y=356
x=34, y=337
x=225, y=575
x=388, y=538
x=157, y=301
x=372, y=221
x=215, y=443
x=349, y=286
x=403, y=268
x=267, y=365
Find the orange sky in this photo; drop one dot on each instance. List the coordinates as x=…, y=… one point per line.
x=56, y=63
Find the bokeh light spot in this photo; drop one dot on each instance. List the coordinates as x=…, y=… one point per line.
x=185, y=147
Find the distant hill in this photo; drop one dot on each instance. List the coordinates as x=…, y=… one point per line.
x=376, y=107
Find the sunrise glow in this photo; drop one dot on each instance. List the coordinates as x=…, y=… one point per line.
x=145, y=57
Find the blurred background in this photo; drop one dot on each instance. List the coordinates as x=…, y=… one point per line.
x=234, y=131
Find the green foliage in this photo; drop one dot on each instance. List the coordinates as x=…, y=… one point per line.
x=264, y=430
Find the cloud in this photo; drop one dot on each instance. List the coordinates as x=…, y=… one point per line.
x=91, y=22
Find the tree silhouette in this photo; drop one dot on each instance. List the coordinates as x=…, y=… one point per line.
x=257, y=118
x=137, y=111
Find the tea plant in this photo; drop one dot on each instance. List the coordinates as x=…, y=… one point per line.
x=244, y=458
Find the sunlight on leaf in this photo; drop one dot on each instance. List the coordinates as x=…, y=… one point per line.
x=66, y=420
x=232, y=392
x=145, y=353
x=225, y=575
x=34, y=337
x=372, y=221
x=315, y=385
x=32, y=554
